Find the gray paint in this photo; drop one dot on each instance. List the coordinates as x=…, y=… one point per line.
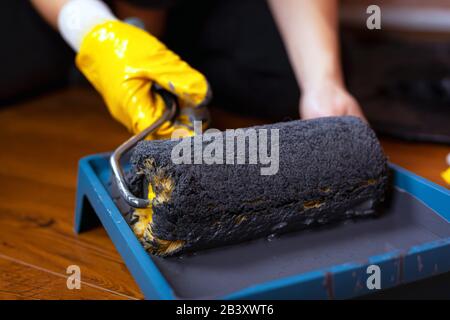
x=220, y=271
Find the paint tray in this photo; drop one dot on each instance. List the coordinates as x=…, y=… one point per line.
x=408, y=242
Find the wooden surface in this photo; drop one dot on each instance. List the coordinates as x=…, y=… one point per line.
x=42, y=140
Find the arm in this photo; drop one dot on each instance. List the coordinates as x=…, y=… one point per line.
x=49, y=10
x=124, y=63
x=154, y=20
x=309, y=29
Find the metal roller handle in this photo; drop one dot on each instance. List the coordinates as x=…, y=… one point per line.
x=168, y=115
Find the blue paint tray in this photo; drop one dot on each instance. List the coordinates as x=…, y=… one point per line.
x=409, y=242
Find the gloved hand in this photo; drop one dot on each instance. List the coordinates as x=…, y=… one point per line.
x=124, y=62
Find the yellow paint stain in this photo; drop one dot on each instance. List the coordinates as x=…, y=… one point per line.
x=144, y=219
x=143, y=226
x=325, y=189
x=144, y=216
x=160, y=246
x=239, y=219
x=163, y=185
x=312, y=204
x=169, y=246
x=165, y=188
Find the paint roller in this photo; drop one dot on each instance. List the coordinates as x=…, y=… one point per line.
x=327, y=169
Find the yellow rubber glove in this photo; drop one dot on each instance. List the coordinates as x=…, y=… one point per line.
x=123, y=62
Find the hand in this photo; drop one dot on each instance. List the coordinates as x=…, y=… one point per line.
x=124, y=62
x=328, y=99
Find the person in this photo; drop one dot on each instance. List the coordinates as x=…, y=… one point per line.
x=257, y=56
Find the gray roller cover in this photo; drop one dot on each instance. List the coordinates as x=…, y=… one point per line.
x=329, y=169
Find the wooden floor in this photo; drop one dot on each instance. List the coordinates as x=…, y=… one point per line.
x=42, y=140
